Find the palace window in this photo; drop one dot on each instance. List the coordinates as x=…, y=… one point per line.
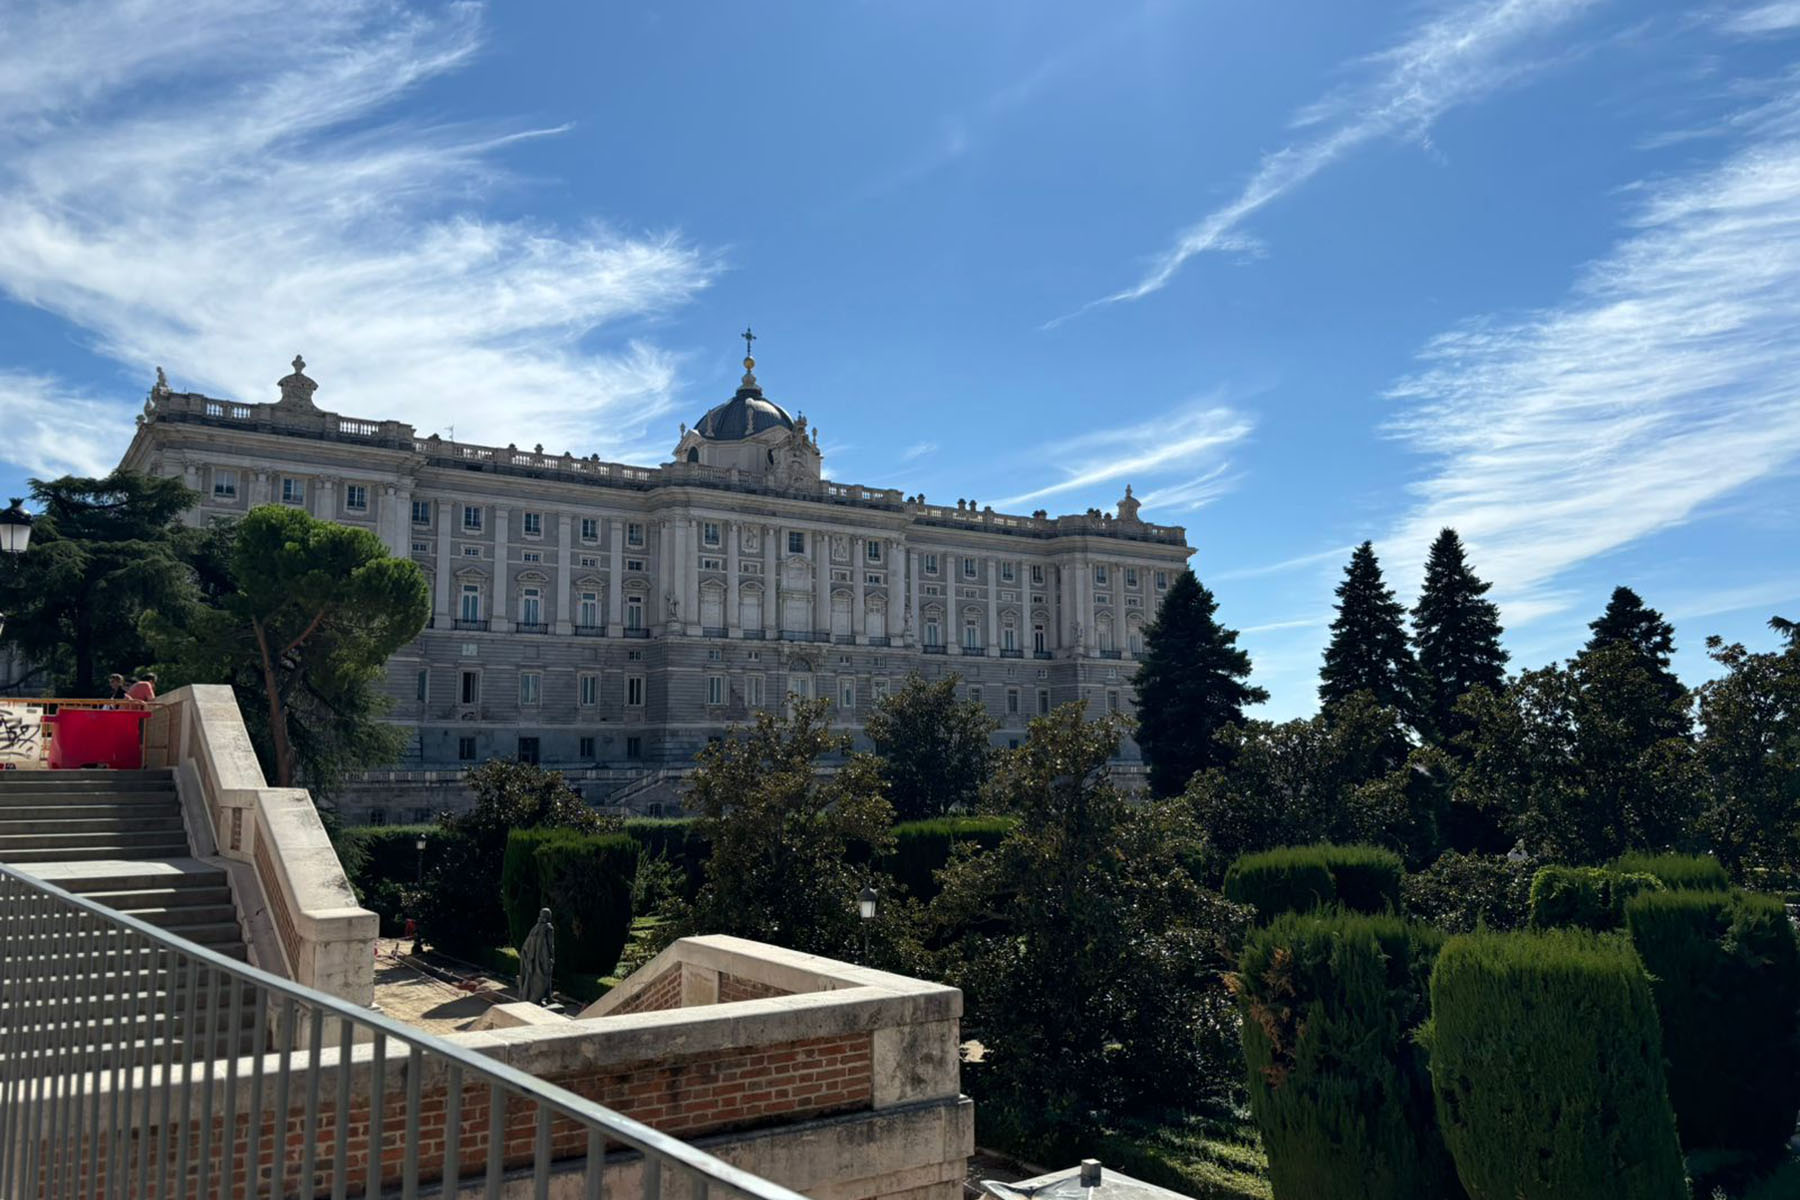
x=528, y=750
x=356, y=498
x=224, y=484
x=587, y=610
x=1006, y=571
x=796, y=542
x=1100, y=574
x=1162, y=580
x=975, y=694
x=634, y=691
x=1012, y=702
x=421, y=547
x=589, y=560
x=878, y=690
x=471, y=602
x=971, y=633
x=968, y=568
x=847, y=694
x=1037, y=573
x=465, y=749
x=634, y=747
x=709, y=533
x=1130, y=577
x=634, y=564
x=712, y=564
x=1112, y=701
x=930, y=561
x=534, y=524
x=634, y=534
x=531, y=607
x=590, y=529
x=536, y=556
x=715, y=690
x=471, y=551
x=1037, y=637
x=634, y=612
x=472, y=517
x=1043, y=702
x=934, y=635
x=471, y=687
x=530, y=684
x=424, y=684
x=589, y=690
x=872, y=550
x=421, y=512
x=293, y=491
x=585, y=748
x=753, y=690
x=1009, y=638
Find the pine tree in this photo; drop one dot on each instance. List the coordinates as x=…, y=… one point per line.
x=1189, y=686
x=1457, y=633
x=1630, y=622
x=1368, y=650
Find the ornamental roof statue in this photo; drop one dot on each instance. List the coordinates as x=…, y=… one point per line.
x=296, y=389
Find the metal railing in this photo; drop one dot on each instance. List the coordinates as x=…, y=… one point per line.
x=134, y=1063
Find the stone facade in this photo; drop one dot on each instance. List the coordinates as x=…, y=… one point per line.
x=610, y=619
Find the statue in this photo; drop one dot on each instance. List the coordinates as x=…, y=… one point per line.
x=674, y=606
x=296, y=389
x=537, y=960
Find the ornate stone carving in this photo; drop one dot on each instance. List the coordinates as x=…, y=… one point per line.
x=296, y=389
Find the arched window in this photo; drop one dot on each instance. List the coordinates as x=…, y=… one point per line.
x=693, y=454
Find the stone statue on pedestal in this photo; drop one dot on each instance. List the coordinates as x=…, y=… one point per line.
x=537, y=960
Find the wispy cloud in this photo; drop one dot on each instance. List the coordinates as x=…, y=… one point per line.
x=1777, y=17
x=214, y=185
x=1185, y=452
x=1337, y=554
x=1668, y=379
x=918, y=450
x=1453, y=59
x=39, y=412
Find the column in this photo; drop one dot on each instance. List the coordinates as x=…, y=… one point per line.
x=502, y=573
x=262, y=488
x=771, y=607
x=1084, y=605
x=565, y=602
x=325, y=497
x=729, y=531
x=858, y=625
x=993, y=630
x=914, y=617
x=821, y=546
x=690, y=571
x=441, y=589
x=658, y=616
x=396, y=519
x=1115, y=575
x=615, y=579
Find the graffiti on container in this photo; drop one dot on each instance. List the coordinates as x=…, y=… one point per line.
x=19, y=735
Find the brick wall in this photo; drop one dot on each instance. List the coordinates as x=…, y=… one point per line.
x=662, y=992
x=691, y=1096
x=736, y=987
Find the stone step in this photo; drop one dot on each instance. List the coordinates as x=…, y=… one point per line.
x=88, y=773
x=50, y=801
x=49, y=836
x=86, y=811
x=148, y=853
x=45, y=955
x=179, y=918
x=136, y=901
x=62, y=823
x=93, y=876
x=79, y=781
x=138, y=1051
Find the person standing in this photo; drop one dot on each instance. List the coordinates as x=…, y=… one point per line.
x=144, y=690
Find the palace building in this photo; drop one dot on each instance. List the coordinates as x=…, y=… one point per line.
x=610, y=619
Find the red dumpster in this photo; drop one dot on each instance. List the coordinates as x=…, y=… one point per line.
x=97, y=737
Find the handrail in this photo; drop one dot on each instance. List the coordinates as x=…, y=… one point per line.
x=20, y=1151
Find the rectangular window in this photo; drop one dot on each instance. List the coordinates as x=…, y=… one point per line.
x=471, y=602
x=424, y=685
x=634, y=564
x=847, y=695
x=589, y=690
x=586, y=748
x=634, y=612
x=1043, y=702
x=1162, y=580
x=975, y=694
x=1037, y=639
x=753, y=690
x=378, y=816
x=1112, y=701
x=471, y=551
x=634, y=691
x=878, y=690
x=873, y=550
x=528, y=749
x=588, y=560
x=634, y=534
x=1012, y=702
x=933, y=635
x=711, y=564
x=534, y=524
x=472, y=517
x=224, y=485
x=471, y=687
x=968, y=568
x=421, y=512
x=590, y=529
x=1100, y=574
x=531, y=607
x=421, y=547
x=930, y=564
x=874, y=578
x=796, y=542
x=587, y=612
x=971, y=635
x=634, y=747
x=356, y=498
x=293, y=491
x=1037, y=572
x=1006, y=572
x=465, y=749
x=1130, y=577
x=531, y=556
x=709, y=533
x=714, y=654
x=1009, y=638
x=715, y=690
x=530, y=683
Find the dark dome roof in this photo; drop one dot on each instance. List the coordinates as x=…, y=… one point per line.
x=744, y=415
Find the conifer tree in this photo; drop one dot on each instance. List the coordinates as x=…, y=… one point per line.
x=1189, y=686
x=1368, y=651
x=1630, y=622
x=1457, y=633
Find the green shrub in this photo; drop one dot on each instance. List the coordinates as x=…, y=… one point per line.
x=521, y=890
x=1337, y=1084
x=1591, y=898
x=1679, y=872
x=923, y=848
x=678, y=841
x=1725, y=971
x=1546, y=1062
x=587, y=881
x=1460, y=893
x=1301, y=878
x=383, y=863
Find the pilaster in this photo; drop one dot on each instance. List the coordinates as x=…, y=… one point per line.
x=858, y=568
x=500, y=622
x=993, y=607
x=615, y=579
x=445, y=566
x=564, y=576
x=731, y=532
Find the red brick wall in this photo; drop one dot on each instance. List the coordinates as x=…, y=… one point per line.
x=736, y=987
x=662, y=992
x=687, y=1096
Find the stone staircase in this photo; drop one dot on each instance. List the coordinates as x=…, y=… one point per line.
x=116, y=838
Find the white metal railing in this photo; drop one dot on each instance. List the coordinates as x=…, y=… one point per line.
x=122, y=1043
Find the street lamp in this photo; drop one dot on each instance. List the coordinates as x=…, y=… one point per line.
x=419, y=886
x=15, y=535
x=865, y=906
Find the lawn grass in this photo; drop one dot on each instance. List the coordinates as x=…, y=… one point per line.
x=1210, y=1156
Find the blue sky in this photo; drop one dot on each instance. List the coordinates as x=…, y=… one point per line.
x=1303, y=274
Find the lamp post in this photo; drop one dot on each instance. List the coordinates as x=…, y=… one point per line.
x=865, y=907
x=15, y=535
x=418, y=891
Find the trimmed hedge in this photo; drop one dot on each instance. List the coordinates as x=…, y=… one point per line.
x=383, y=863
x=1338, y=1086
x=923, y=848
x=676, y=840
x=1679, y=872
x=1362, y=879
x=1725, y=970
x=584, y=879
x=1591, y=898
x=1546, y=1062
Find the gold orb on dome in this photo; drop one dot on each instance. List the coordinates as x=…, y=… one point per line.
x=749, y=363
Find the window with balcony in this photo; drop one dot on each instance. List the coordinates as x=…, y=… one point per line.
x=421, y=512
x=971, y=634
x=934, y=634
x=356, y=498
x=587, y=610
x=224, y=485
x=1009, y=638
x=1038, y=641
x=634, y=612
x=531, y=607
x=470, y=609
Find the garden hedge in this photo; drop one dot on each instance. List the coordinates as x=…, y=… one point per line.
x=1338, y=1086
x=584, y=879
x=1689, y=872
x=1546, y=1062
x=1591, y=898
x=1362, y=879
x=678, y=841
x=923, y=848
x=383, y=864
x=1725, y=970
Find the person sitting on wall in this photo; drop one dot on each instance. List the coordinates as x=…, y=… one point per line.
x=144, y=690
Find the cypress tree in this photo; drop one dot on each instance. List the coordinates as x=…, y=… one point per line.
x=1630, y=622
x=1368, y=650
x=1189, y=686
x=1457, y=633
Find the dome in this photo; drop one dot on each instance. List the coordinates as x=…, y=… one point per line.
x=744, y=415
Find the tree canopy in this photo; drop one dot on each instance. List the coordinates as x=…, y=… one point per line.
x=1630, y=622
x=933, y=749
x=1368, y=651
x=1457, y=632
x=1190, y=685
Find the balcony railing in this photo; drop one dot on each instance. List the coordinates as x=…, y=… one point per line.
x=1112, y=654
x=1042, y=654
x=879, y=639
x=934, y=649
x=532, y=627
x=844, y=639
x=636, y=633
x=754, y=635
x=978, y=651
x=1005, y=653
x=590, y=631
x=477, y=624
x=106, y=1017
x=718, y=631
